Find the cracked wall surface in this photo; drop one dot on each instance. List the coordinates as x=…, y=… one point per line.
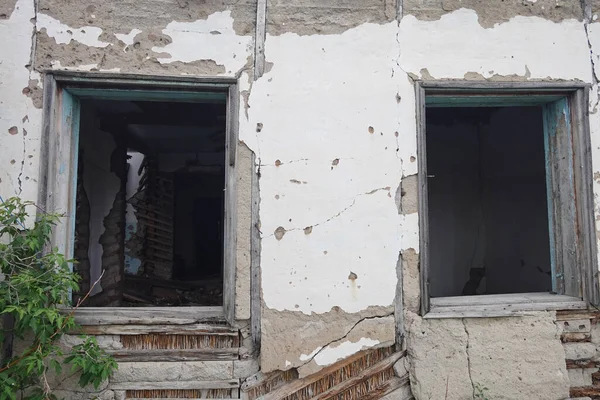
x=502, y=354
x=332, y=125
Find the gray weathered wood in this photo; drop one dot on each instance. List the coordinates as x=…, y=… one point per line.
x=502, y=310
x=111, y=80
x=255, y=277
x=182, y=385
x=501, y=299
x=230, y=212
x=127, y=355
x=583, y=171
x=569, y=181
x=191, y=329
x=146, y=315
x=423, y=197
x=259, y=38
x=515, y=87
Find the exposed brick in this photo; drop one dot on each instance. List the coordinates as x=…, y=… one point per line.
x=591, y=392
x=596, y=379
x=571, y=364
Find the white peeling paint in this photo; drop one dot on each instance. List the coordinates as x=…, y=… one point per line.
x=199, y=40
x=306, y=357
x=18, y=171
x=457, y=44
x=349, y=83
x=128, y=39
x=331, y=354
x=63, y=34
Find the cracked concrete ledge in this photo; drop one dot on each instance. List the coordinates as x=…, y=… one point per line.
x=516, y=358
x=321, y=339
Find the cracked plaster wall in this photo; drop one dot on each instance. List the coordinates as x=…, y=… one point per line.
x=332, y=124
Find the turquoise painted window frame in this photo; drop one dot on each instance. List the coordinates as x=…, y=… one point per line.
x=63, y=92
x=569, y=185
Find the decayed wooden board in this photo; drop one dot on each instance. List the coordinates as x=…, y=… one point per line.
x=228, y=384
x=501, y=299
x=147, y=315
x=175, y=355
x=364, y=375
x=581, y=314
x=296, y=385
x=191, y=329
x=388, y=387
x=506, y=310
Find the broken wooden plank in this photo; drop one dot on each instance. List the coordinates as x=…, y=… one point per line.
x=362, y=376
x=299, y=384
x=208, y=354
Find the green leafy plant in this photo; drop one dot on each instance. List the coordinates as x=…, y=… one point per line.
x=480, y=392
x=35, y=283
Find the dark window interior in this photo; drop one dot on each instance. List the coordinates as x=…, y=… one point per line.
x=150, y=202
x=488, y=214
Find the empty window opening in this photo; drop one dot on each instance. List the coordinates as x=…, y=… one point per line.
x=487, y=197
x=150, y=202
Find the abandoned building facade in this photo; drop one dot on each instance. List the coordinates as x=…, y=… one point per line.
x=313, y=199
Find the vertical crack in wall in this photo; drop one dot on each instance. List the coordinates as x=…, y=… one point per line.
x=19, y=178
x=587, y=18
x=468, y=356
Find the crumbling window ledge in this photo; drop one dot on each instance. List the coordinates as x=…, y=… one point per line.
x=501, y=305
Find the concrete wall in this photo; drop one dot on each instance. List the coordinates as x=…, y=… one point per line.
x=332, y=125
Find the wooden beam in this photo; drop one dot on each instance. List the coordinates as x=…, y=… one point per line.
x=192, y=329
x=176, y=385
x=255, y=276
x=259, y=38
x=423, y=201
x=147, y=315
x=167, y=355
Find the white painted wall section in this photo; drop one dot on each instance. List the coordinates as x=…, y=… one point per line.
x=210, y=39
x=20, y=121
x=331, y=146
x=457, y=44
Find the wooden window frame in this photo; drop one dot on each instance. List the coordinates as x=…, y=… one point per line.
x=58, y=172
x=572, y=224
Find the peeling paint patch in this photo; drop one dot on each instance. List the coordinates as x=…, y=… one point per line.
x=193, y=41
x=305, y=357
x=64, y=34
x=506, y=49
x=128, y=38
x=333, y=354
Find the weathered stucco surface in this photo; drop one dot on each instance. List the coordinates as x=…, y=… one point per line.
x=172, y=37
x=310, y=17
x=502, y=354
x=491, y=12
x=332, y=125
